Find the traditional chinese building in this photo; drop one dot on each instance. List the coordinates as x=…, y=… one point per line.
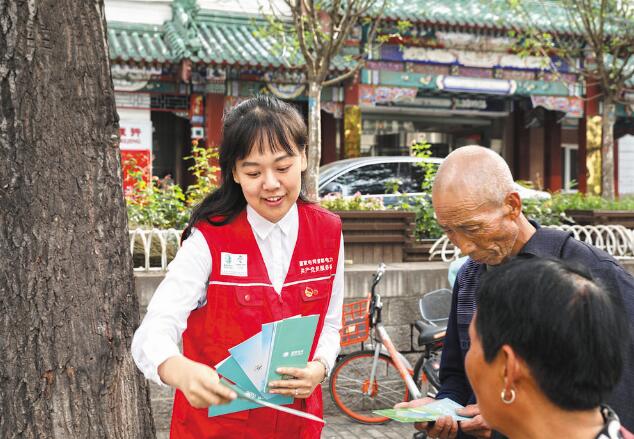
x=452, y=77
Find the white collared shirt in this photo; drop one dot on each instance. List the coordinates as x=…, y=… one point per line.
x=184, y=289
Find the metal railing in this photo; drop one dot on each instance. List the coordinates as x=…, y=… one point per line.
x=153, y=249
x=613, y=239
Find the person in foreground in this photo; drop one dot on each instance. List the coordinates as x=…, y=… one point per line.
x=481, y=213
x=547, y=345
x=248, y=258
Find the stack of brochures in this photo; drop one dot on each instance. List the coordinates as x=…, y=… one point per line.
x=424, y=413
x=254, y=362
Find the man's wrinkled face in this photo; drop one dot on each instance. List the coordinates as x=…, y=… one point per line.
x=482, y=230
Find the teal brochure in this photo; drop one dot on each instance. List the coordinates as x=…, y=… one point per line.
x=268, y=330
x=292, y=340
x=249, y=356
x=231, y=370
x=424, y=413
x=248, y=396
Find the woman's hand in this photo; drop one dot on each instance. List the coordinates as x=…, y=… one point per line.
x=476, y=426
x=199, y=383
x=443, y=428
x=304, y=382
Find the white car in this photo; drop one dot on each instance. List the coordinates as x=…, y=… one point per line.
x=369, y=176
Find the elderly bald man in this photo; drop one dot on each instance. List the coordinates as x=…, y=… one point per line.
x=481, y=213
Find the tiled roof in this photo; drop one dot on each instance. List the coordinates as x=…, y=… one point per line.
x=137, y=42
x=546, y=15
x=236, y=40
x=215, y=38
x=233, y=41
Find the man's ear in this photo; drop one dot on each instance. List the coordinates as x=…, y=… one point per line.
x=513, y=205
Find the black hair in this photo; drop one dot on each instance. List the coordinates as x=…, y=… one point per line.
x=571, y=330
x=259, y=121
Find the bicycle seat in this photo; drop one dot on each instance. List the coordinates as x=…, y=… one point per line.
x=429, y=334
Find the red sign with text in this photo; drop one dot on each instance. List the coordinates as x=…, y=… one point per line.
x=136, y=151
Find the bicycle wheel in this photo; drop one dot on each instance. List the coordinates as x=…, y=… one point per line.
x=350, y=382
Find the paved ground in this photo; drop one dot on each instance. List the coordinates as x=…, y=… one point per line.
x=341, y=427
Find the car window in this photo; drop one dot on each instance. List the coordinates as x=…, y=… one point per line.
x=412, y=176
x=368, y=179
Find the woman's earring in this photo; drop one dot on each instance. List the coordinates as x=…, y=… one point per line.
x=505, y=399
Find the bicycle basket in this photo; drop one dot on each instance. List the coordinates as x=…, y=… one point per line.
x=355, y=322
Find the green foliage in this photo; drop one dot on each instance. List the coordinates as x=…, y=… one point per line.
x=158, y=204
x=553, y=211
x=392, y=185
x=205, y=173
x=426, y=225
x=162, y=203
x=356, y=202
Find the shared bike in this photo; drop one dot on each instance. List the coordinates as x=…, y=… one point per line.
x=378, y=376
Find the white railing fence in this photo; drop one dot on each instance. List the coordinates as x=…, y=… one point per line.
x=153, y=249
x=615, y=240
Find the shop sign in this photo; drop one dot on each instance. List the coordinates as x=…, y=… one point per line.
x=136, y=150
x=372, y=95
x=135, y=134
x=196, y=110
x=572, y=106
x=477, y=85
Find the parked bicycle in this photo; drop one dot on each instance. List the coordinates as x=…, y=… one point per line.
x=380, y=376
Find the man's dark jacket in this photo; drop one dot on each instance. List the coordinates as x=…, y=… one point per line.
x=544, y=243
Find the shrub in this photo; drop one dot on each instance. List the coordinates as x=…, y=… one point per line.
x=162, y=203
x=356, y=202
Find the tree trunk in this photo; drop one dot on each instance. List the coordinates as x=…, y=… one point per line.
x=311, y=175
x=67, y=301
x=607, y=149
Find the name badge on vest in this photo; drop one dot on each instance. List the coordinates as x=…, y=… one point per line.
x=233, y=264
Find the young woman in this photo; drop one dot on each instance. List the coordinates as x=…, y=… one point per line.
x=254, y=252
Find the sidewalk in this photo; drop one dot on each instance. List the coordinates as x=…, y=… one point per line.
x=341, y=427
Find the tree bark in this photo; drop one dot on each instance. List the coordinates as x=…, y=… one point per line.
x=311, y=175
x=67, y=302
x=607, y=149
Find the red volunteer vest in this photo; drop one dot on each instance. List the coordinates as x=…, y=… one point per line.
x=237, y=306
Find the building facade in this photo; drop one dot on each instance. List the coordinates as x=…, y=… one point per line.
x=451, y=78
